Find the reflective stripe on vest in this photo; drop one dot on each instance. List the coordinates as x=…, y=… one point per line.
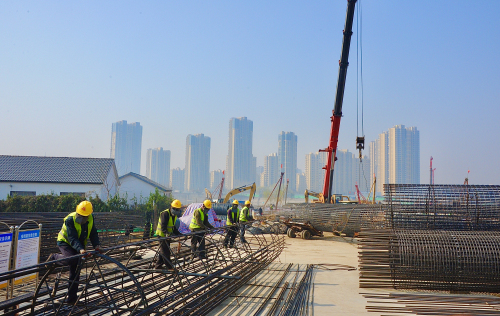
x=170, y=224
x=234, y=216
x=63, y=234
x=243, y=215
x=193, y=224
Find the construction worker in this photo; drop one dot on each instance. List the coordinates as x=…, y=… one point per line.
x=166, y=227
x=77, y=229
x=244, y=218
x=233, y=215
x=199, y=223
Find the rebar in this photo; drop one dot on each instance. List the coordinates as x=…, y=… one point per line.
x=448, y=207
x=124, y=281
x=430, y=260
x=348, y=219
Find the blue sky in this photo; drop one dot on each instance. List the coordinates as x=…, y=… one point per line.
x=68, y=70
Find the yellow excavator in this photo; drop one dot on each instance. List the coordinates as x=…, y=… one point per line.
x=251, y=187
x=336, y=198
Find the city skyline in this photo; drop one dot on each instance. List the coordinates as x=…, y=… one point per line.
x=184, y=68
x=126, y=146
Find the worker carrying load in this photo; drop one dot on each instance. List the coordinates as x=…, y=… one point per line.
x=244, y=218
x=199, y=223
x=77, y=229
x=166, y=228
x=233, y=215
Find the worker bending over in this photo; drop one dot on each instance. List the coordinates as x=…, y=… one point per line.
x=166, y=228
x=77, y=229
x=199, y=223
x=233, y=215
x=244, y=219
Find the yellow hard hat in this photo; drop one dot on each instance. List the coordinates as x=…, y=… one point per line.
x=247, y=202
x=236, y=202
x=84, y=208
x=207, y=204
x=176, y=204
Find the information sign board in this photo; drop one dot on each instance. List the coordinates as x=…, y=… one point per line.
x=5, y=253
x=27, y=252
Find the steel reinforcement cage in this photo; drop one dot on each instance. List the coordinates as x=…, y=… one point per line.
x=446, y=207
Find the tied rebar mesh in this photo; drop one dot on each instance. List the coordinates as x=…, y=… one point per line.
x=348, y=219
x=448, y=207
x=430, y=260
x=125, y=280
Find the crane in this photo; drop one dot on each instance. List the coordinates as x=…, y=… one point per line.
x=337, y=111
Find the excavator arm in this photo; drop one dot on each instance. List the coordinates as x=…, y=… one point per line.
x=244, y=188
x=321, y=198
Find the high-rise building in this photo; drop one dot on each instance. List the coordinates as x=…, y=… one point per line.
x=397, y=156
x=361, y=173
x=271, y=170
x=126, y=142
x=215, y=179
x=177, y=179
x=382, y=145
x=372, y=153
x=240, y=166
x=301, y=182
x=258, y=175
x=412, y=155
x=197, y=170
x=343, y=173
x=315, y=174
x=287, y=156
x=158, y=165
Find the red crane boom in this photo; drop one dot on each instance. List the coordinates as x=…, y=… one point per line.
x=337, y=111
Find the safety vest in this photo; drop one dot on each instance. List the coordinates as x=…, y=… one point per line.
x=63, y=234
x=193, y=224
x=243, y=214
x=234, y=216
x=170, y=225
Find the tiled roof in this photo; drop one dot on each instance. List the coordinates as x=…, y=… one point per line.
x=145, y=179
x=54, y=169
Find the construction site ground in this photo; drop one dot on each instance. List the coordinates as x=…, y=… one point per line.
x=335, y=280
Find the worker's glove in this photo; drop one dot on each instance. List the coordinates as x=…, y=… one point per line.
x=99, y=249
x=85, y=253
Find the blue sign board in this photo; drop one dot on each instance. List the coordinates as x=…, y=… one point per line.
x=29, y=234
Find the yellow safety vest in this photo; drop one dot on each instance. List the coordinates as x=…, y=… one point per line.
x=63, y=234
x=234, y=215
x=193, y=224
x=243, y=217
x=170, y=225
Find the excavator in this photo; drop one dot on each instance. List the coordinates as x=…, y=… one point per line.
x=336, y=198
x=251, y=187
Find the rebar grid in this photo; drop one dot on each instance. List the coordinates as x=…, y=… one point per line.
x=449, y=207
x=348, y=219
x=123, y=281
x=114, y=228
x=430, y=260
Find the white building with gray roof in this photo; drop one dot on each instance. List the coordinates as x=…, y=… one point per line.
x=32, y=175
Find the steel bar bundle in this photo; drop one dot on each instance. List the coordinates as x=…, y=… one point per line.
x=348, y=219
x=432, y=304
x=111, y=231
x=124, y=280
x=430, y=260
x=450, y=207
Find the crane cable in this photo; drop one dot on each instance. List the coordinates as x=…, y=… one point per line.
x=359, y=82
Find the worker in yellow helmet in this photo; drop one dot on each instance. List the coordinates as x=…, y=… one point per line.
x=77, y=229
x=245, y=217
x=199, y=223
x=166, y=228
x=233, y=215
